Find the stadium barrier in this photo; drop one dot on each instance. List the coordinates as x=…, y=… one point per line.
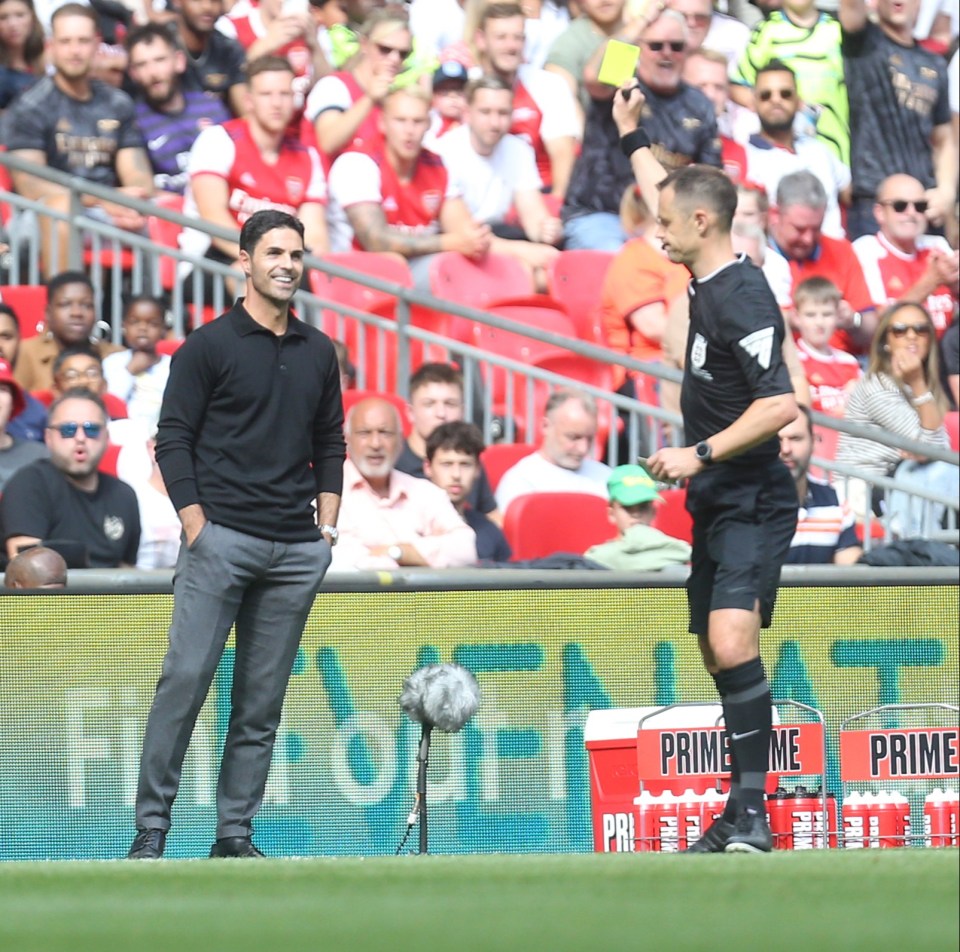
x=79, y=669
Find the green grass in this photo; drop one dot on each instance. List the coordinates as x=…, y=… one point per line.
x=897, y=900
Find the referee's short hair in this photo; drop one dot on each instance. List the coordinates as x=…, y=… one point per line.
x=706, y=187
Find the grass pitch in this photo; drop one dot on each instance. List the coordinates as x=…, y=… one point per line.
x=897, y=900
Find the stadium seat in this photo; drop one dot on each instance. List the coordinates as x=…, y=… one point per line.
x=541, y=524
x=352, y=397
x=167, y=234
x=169, y=345
x=479, y=284
x=575, y=279
x=29, y=301
x=671, y=516
x=499, y=457
x=951, y=421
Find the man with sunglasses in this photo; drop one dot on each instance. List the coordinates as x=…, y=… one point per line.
x=65, y=497
x=680, y=121
x=903, y=263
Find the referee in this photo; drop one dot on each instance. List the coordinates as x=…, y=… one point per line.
x=736, y=395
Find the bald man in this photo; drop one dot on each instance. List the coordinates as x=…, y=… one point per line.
x=903, y=263
x=38, y=567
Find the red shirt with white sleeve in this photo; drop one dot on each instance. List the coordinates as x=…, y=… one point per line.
x=829, y=376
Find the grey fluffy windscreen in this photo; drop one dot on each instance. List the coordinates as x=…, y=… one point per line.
x=444, y=696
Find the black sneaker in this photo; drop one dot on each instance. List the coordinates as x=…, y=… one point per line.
x=751, y=833
x=148, y=844
x=714, y=838
x=235, y=847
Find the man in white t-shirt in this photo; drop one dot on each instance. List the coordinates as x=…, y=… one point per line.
x=564, y=462
x=496, y=173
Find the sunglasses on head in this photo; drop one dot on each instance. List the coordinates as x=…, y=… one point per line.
x=766, y=95
x=69, y=430
x=676, y=46
x=901, y=330
x=900, y=205
x=388, y=50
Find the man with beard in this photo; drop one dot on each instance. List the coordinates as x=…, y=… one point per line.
x=776, y=150
x=215, y=62
x=65, y=497
x=169, y=116
x=250, y=440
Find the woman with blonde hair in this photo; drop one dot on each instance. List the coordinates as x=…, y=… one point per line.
x=901, y=394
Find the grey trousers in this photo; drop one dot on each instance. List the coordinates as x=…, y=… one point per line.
x=268, y=589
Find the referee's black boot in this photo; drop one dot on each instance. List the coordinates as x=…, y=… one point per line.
x=751, y=833
x=148, y=844
x=235, y=847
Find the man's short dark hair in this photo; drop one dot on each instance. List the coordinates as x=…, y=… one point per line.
x=76, y=350
x=67, y=277
x=78, y=393
x=435, y=373
x=268, y=63
x=487, y=81
x=149, y=32
x=259, y=223
x=808, y=416
x=75, y=10
x=456, y=435
x=776, y=66
x=704, y=186
x=12, y=314
x=499, y=11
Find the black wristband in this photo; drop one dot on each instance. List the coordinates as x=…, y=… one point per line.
x=638, y=139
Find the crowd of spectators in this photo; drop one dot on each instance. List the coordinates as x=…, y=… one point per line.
x=484, y=127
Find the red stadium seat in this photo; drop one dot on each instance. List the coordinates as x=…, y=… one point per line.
x=169, y=345
x=499, y=457
x=352, y=397
x=951, y=421
x=29, y=301
x=575, y=279
x=108, y=462
x=671, y=515
x=479, y=284
x=541, y=524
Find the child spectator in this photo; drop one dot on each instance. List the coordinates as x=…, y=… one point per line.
x=831, y=373
x=449, y=100
x=138, y=375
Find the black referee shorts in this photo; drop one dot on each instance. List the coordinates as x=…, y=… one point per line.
x=743, y=522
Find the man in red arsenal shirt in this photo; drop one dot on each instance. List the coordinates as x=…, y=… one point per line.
x=544, y=110
x=901, y=262
x=248, y=164
x=398, y=198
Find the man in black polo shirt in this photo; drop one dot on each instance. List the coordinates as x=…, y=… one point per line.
x=736, y=396
x=215, y=62
x=250, y=434
x=679, y=120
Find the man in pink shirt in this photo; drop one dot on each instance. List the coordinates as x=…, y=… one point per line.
x=387, y=518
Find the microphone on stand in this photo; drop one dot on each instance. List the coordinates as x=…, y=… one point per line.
x=444, y=696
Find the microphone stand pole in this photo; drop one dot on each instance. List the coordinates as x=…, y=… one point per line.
x=422, y=757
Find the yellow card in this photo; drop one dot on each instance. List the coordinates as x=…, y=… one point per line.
x=619, y=63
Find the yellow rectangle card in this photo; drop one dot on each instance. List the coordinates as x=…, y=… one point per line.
x=619, y=63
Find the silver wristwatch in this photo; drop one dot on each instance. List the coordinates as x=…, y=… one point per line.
x=331, y=531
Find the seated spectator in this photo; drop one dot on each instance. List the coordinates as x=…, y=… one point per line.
x=563, y=463
x=796, y=234
x=36, y=567
x=31, y=421
x=138, y=375
x=638, y=547
x=66, y=498
x=449, y=101
x=169, y=116
x=638, y=289
x=15, y=453
x=214, y=61
x=679, y=120
x=249, y=164
x=825, y=528
x=901, y=262
x=103, y=146
x=387, y=518
x=345, y=106
x=777, y=150
x=950, y=360
x=809, y=42
x=901, y=394
x=22, y=43
x=348, y=373
x=436, y=397
x=81, y=366
x=336, y=40
x=831, y=373
x=400, y=198
x=453, y=463
x=496, y=173
x=708, y=28
x=69, y=320
x=544, y=110
x=753, y=206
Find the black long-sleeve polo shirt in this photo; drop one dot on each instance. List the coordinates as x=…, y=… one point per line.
x=251, y=426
